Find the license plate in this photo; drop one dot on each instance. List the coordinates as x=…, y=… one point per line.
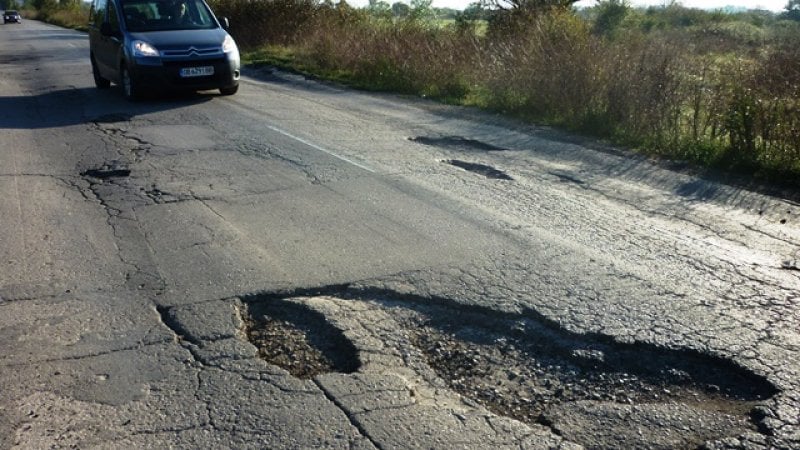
x=188, y=72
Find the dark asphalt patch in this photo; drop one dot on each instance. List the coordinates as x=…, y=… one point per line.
x=110, y=170
x=458, y=143
x=298, y=340
x=481, y=169
x=567, y=178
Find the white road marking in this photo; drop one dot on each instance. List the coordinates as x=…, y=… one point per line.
x=317, y=147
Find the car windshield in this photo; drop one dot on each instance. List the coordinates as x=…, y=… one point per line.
x=11, y=13
x=161, y=15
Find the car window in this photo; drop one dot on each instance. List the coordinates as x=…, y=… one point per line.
x=160, y=15
x=98, y=13
x=113, y=19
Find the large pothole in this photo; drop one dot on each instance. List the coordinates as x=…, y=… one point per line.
x=298, y=339
x=593, y=391
x=587, y=388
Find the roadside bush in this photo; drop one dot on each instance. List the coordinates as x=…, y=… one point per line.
x=265, y=22
x=407, y=55
x=70, y=15
x=642, y=92
x=545, y=70
x=610, y=15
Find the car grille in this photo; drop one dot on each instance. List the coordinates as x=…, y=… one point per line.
x=192, y=52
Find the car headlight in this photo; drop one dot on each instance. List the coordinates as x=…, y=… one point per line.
x=141, y=48
x=229, y=45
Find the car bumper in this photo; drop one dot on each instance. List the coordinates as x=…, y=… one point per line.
x=166, y=75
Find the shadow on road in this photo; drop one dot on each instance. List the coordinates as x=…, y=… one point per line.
x=75, y=106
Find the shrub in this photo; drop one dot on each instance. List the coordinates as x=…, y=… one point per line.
x=262, y=22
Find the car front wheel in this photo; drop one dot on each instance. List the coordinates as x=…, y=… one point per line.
x=129, y=86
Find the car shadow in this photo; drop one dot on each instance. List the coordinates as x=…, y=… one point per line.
x=75, y=106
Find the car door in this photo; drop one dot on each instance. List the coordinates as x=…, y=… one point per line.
x=109, y=43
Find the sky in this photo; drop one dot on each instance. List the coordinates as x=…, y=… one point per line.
x=773, y=5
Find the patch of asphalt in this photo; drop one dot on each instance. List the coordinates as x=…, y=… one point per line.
x=481, y=169
x=108, y=171
x=458, y=143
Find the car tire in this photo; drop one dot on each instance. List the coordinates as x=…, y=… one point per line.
x=130, y=89
x=229, y=90
x=99, y=81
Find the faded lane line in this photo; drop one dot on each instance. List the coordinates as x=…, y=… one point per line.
x=317, y=147
x=18, y=195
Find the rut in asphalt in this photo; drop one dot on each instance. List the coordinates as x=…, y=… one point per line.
x=586, y=387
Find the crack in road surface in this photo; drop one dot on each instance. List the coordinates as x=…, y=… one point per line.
x=586, y=388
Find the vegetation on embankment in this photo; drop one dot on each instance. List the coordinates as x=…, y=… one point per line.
x=718, y=89
x=67, y=14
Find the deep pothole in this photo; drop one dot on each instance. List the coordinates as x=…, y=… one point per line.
x=481, y=169
x=457, y=142
x=299, y=340
x=601, y=394
x=110, y=170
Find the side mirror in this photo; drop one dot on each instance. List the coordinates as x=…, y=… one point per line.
x=225, y=23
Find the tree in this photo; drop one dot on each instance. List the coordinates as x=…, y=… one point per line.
x=610, y=14
x=400, y=9
x=421, y=10
x=528, y=5
x=792, y=10
x=41, y=5
x=379, y=8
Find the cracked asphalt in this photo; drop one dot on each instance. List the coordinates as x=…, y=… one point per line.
x=442, y=278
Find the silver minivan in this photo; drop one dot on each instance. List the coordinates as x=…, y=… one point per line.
x=149, y=46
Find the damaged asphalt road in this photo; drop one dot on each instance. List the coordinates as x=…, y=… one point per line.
x=303, y=266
